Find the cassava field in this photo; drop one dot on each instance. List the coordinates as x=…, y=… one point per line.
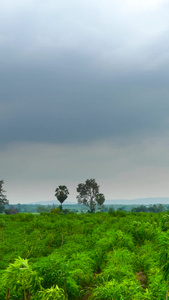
x=111, y=256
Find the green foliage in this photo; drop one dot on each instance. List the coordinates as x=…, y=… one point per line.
x=89, y=194
x=100, y=199
x=152, y=208
x=2, y=224
x=70, y=274
x=42, y=208
x=11, y=211
x=164, y=254
x=19, y=279
x=53, y=293
x=142, y=231
x=112, y=290
x=156, y=283
x=165, y=222
x=55, y=210
x=118, y=266
x=76, y=255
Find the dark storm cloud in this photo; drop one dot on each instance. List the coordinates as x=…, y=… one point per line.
x=70, y=102
x=84, y=93
x=85, y=76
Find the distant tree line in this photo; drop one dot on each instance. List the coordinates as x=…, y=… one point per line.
x=88, y=195
x=152, y=208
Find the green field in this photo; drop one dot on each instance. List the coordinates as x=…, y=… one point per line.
x=109, y=256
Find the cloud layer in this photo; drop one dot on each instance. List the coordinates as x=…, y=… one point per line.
x=84, y=78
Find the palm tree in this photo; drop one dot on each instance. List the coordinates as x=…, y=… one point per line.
x=100, y=198
x=61, y=193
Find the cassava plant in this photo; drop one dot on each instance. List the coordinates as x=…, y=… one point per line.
x=54, y=293
x=19, y=279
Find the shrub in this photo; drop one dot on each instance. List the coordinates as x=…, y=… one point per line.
x=114, y=290
x=54, y=293
x=19, y=279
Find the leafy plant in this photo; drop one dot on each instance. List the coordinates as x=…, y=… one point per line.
x=112, y=290
x=19, y=278
x=53, y=293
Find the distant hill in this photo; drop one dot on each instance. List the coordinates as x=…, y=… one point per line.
x=51, y=202
x=138, y=201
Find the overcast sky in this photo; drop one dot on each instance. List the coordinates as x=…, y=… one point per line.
x=84, y=93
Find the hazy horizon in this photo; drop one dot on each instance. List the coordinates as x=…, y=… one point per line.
x=137, y=201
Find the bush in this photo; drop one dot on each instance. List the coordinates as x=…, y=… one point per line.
x=111, y=290
x=54, y=293
x=19, y=280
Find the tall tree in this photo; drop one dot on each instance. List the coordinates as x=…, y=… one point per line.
x=88, y=192
x=3, y=199
x=61, y=193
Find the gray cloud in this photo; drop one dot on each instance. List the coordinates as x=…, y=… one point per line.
x=76, y=76
x=32, y=171
x=78, y=105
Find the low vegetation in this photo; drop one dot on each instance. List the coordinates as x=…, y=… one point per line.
x=113, y=255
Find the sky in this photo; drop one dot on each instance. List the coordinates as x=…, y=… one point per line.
x=84, y=93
